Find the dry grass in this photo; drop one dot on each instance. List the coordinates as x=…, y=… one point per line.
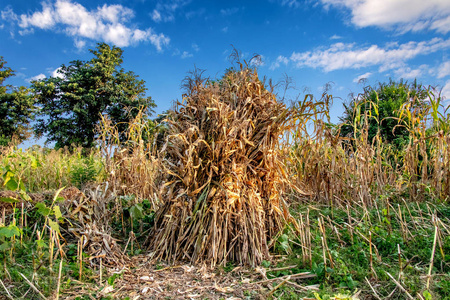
x=344, y=171
x=131, y=168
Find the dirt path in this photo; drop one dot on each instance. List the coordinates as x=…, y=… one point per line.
x=145, y=280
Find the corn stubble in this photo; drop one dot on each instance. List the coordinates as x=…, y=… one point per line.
x=222, y=195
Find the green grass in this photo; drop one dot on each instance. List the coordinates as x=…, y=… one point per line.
x=347, y=261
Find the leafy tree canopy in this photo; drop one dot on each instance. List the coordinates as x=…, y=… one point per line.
x=16, y=108
x=378, y=109
x=71, y=104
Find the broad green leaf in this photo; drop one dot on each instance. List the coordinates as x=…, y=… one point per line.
x=12, y=184
x=136, y=211
x=15, y=230
x=7, y=175
x=265, y=263
x=427, y=295
x=285, y=246
x=53, y=225
x=6, y=232
x=57, y=212
x=42, y=209
x=41, y=244
x=284, y=238
x=10, y=231
x=24, y=195
x=21, y=186
x=34, y=163
x=9, y=200
x=5, y=246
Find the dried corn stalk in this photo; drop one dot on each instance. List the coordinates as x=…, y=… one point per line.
x=90, y=214
x=222, y=197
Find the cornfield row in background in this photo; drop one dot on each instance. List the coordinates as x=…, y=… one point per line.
x=341, y=170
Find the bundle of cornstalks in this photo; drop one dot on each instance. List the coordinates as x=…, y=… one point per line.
x=223, y=193
x=89, y=215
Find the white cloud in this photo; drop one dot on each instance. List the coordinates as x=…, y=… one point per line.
x=165, y=10
x=37, y=77
x=158, y=40
x=406, y=72
x=20, y=74
x=335, y=37
x=441, y=25
x=404, y=15
x=443, y=70
x=108, y=23
x=156, y=16
x=225, y=29
x=290, y=3
x=257, y=61
x=195, y=47
x=280, y=60
x=115, y=13
x=8, y=15
x=351, y=56
x=25, y=31
x=445, y=93
x=186, y=54
x=79, y=44
x=56, y=73
x=363, y=76
x=43, y=19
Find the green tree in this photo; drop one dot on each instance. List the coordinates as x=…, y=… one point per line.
x=379, y=108
x=71, y=104
x=16, y=108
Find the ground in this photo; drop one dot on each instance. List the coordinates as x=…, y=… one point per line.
x=142, y=279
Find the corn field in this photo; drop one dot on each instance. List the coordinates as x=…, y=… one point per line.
x=234, y=176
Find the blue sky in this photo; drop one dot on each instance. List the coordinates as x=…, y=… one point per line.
x=314, y=42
